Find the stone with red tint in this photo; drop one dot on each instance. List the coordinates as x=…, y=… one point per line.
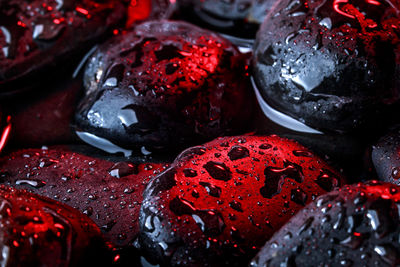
x=38, y=231
x=358, y=225
x=39, y=36
x=220, y=202
x=109, y=193
x=333, y=65
x=139, y=11
x=165, y=85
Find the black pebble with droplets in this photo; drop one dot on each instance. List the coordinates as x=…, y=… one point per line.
x=358, y=225
x=165, y=85
x=332, y=65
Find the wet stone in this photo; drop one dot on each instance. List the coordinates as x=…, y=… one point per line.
x=46, y=232
x=94, y=186
x=32, y=37
x=367, y=234
x=331, y=65
x=221, y=215
x=197, y=89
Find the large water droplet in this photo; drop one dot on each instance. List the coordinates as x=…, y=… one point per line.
x=122, y=169
x=238, y=152
x=47, y=31
x=327, y=180
x=236, y=205
x=372, y=215
x=210, y=222
x=274, y=178
x=33, y=183
x=218, y=170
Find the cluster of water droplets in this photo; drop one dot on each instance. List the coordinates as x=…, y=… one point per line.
x=44, y=21
x=115, y=198
x=210, y=194
x=357, y=226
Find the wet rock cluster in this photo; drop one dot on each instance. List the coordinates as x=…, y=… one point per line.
x=199, y=133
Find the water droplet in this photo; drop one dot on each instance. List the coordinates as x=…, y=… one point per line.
x=129, y=190
x=189, y=172
x=210, y=222
x=274, y=178
x=326, y=22
x=33, y=183
x=298, y=196
x=212, y=190
x=122, y=169
x=88, y=211
x=352, y=241
x=396, y=173
x=305, y=225
x=195, y=193
x=302, y=153
x=236, y=205
x=388, y=253
x=372, y=215
x=265, y=146
x=238, y=152
x=327, y=180
x=47, y=31
x=218, y=170
x=108, y=226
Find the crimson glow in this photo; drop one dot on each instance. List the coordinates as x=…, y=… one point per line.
x=5, y=134
x=138, y=10
x=336, y=4
x=82, y=11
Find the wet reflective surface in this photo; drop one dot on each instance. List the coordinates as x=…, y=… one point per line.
x=40, y=231
x=332, y=65
x=356, y=226
x=110, y=193
x=33, y=36
x=165, y=85
x=220, y=202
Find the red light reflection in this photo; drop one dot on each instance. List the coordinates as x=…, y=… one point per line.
x=6, y=133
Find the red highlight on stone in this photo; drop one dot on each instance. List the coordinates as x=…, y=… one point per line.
x=6, y=133
x=138, y=10
x=82, y=11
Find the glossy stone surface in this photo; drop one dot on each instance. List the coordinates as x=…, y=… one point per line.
x=110, y=193
x=333, y=65
x=165, y=85
x=220, y=202
x=36, y=36
x=38, y=231
x=355, y=226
